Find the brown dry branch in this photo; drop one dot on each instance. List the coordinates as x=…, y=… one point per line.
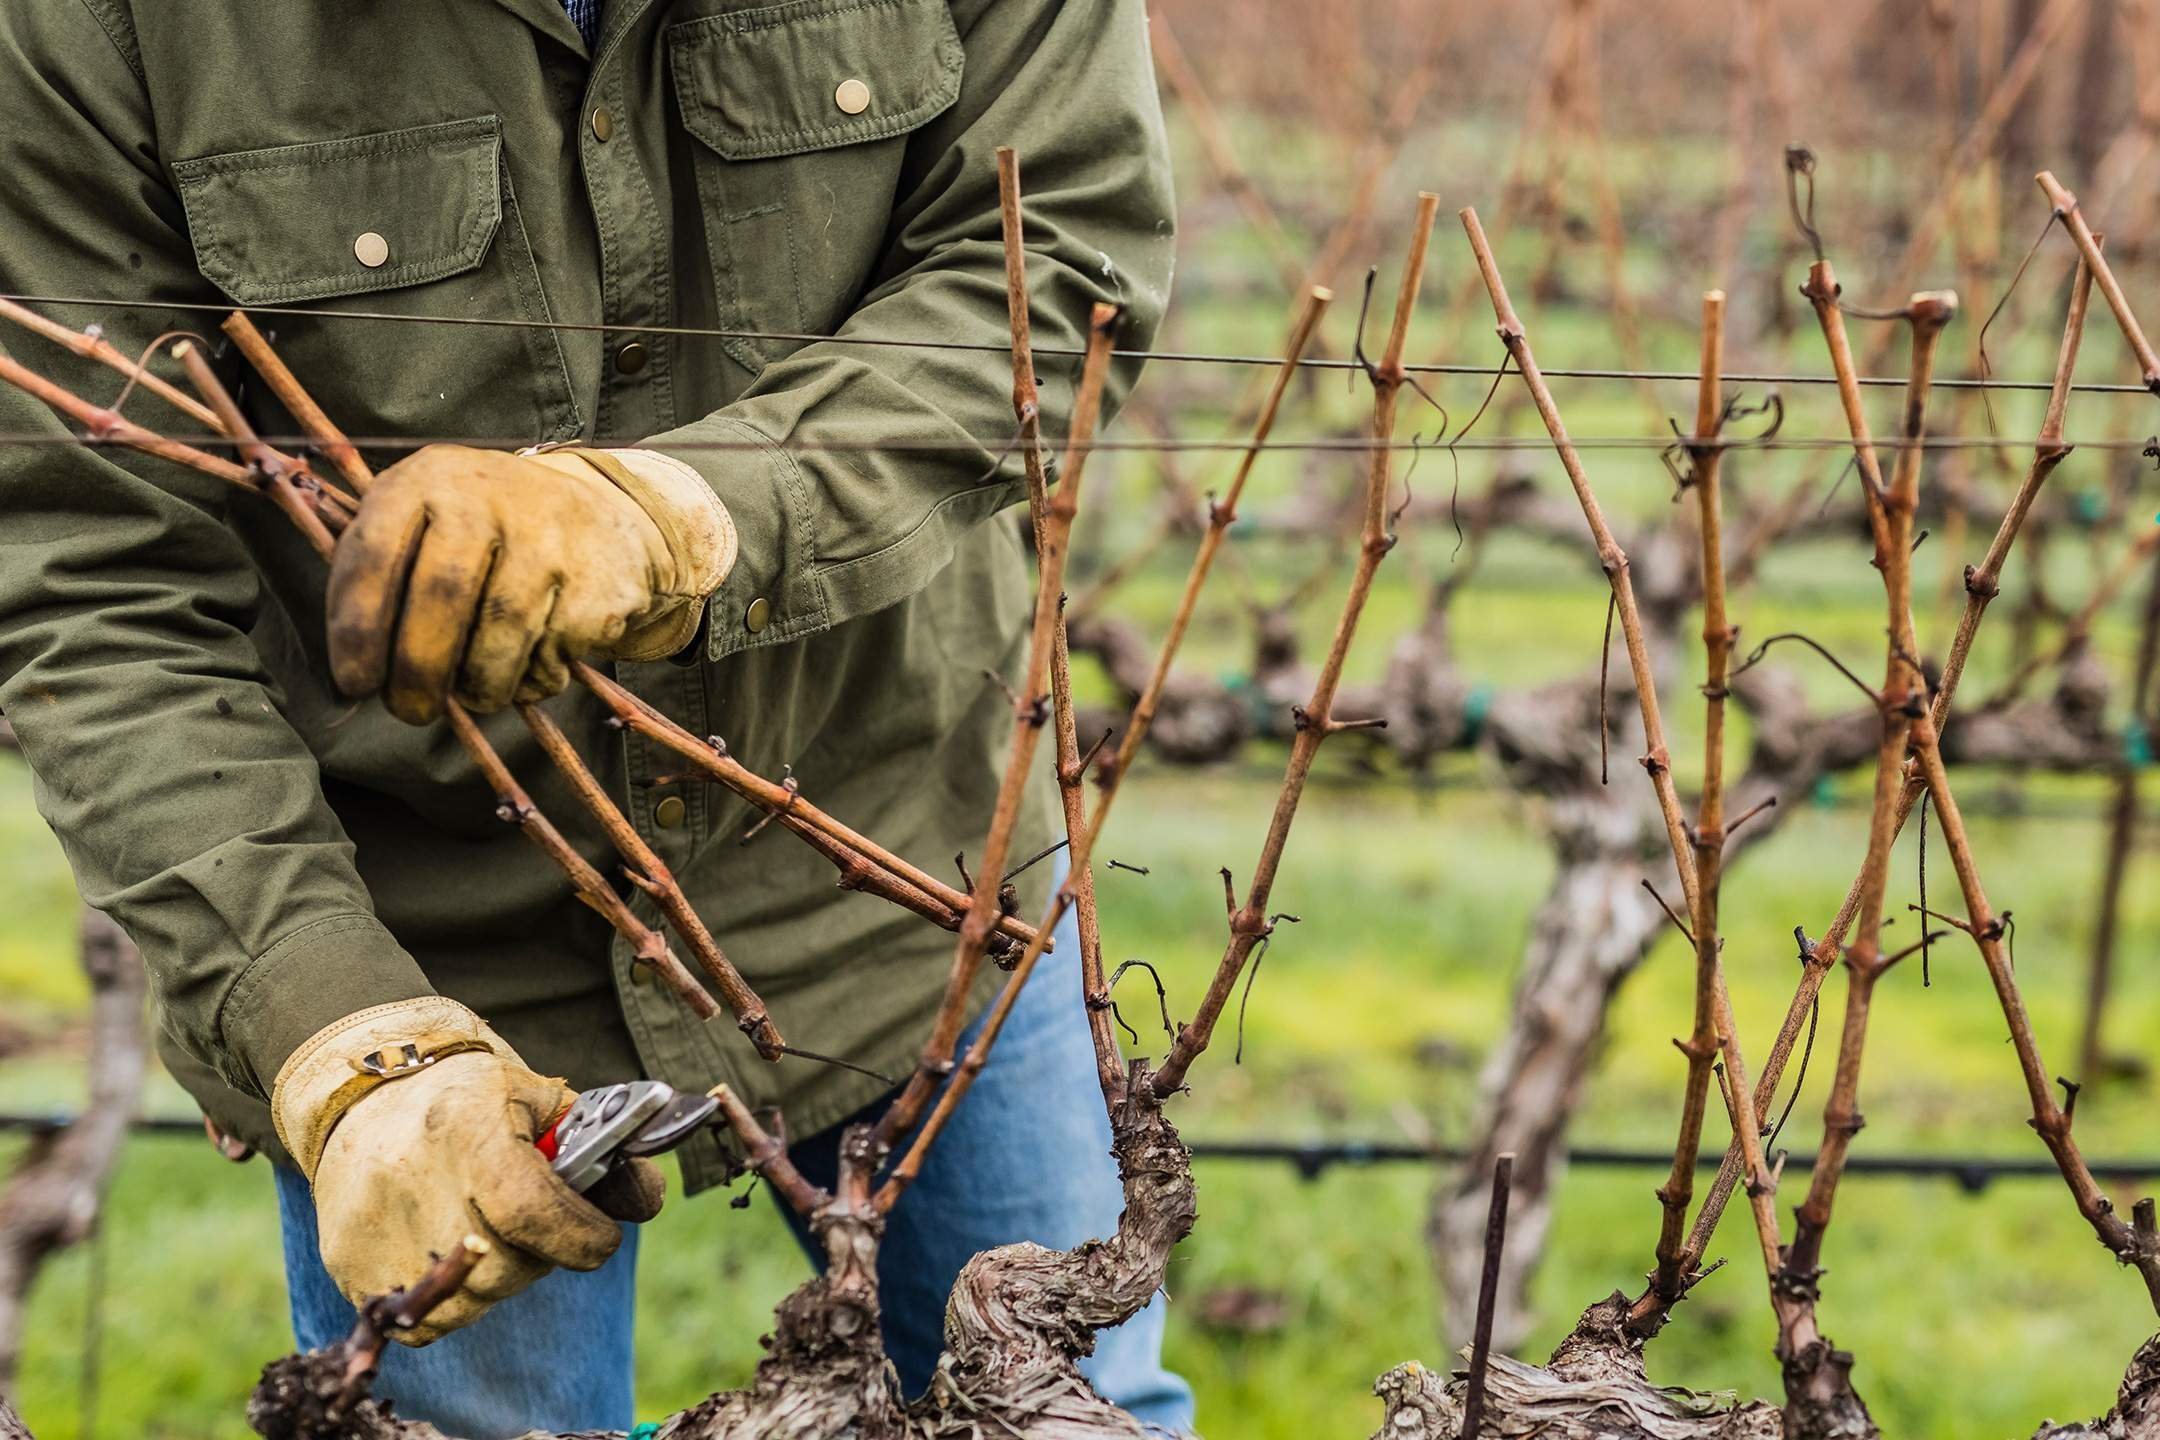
x=1614, y=562
x=265, y=461
x=1488, y=1293
x=1083, y=830
x=55, y=1195
x=1020, y=1317
x=1595, y=1385
x=110, y=427
x=1072, y=768
x=646, y=870
x=293, y=489
x=1983, y=583
x=1249, y=924
x=2135, y=1244
x=315, y=508
x=1181, y=511
x=1820, y=1400
x=514, y=807
x=1595, y=924
x=2066, y=211
x=325, y=1392
x=1072, y=765
x=1611, y=558
x=1030, y=705
x=1080, y=830
x=766, y=1154
x=92, y=346
x=1179, y=516
x=643, y=867
x=1053, y=520
x=1222, y=514
x=312, y=507
x=290, y=485
x=1671, y=1277
x=329, y=440
x=863, y=863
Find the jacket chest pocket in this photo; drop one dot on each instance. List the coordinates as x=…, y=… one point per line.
x=407, y=223
x=801, y=113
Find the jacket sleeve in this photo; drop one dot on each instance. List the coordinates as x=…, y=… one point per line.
x=903, y=449
x=189, y=809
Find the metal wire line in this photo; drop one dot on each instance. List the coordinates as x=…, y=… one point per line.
x=973, y=444
x=1004, y=347
x=1312, y=1158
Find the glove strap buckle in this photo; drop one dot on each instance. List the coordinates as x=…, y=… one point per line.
x=379, y=1064
x=406, y=1056
x=393, y=1062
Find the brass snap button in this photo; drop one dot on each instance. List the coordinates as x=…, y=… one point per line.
x=853, y=97
x=603, y=124
x=371, y=250
x=669, y=813
x=630, y=359
x=754, y=619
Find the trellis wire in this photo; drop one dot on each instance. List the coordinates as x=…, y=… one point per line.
x=1313, y=1158
x=1174, y=357
x=973, y=444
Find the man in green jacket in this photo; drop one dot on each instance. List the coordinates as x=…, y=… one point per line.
x=683, y=234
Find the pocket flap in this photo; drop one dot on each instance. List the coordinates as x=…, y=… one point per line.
x=783, y=79
x=343, y=217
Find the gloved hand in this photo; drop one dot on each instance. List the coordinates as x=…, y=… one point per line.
x=481, y=574
x=412, y=1149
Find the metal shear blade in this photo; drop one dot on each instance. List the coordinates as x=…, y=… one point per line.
x=671, y=1124
x=640, y=1117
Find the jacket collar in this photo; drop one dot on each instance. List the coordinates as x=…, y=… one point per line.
x=549, y=17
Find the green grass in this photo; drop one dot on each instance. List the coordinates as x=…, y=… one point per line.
x=1971, y=1315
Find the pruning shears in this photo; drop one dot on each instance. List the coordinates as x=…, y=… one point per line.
x=637, y=1117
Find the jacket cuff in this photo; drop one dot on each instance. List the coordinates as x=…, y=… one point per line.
x=773, y=593
x=697, y=541
x=340, y=1063
x=312, y=978
x=692, y=520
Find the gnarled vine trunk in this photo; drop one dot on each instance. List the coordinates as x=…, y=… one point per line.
x=1594, y=1388
x=1020, y=1319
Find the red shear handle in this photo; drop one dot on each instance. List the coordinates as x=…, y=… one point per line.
x=547, y=1142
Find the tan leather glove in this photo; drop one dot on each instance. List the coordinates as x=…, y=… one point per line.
x=415, y=1123
x=481, y=574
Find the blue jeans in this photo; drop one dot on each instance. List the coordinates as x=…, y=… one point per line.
x=1027, y=1157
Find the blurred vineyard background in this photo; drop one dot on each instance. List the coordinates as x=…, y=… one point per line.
x=1626, y=156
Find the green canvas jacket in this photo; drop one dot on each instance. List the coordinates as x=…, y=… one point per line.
x=820, y=168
